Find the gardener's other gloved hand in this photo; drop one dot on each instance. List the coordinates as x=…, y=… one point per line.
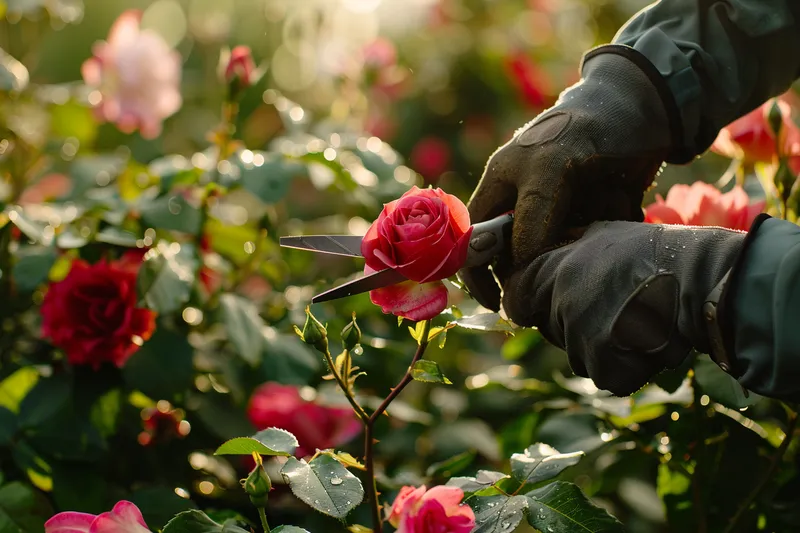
x=590, y=157
x=625, y=301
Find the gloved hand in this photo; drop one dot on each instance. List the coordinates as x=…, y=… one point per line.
x=625, y=300
x=588, y=158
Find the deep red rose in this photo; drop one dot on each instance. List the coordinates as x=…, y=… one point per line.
x=241, y=67
x=91, y=314
x=701, y=204
x=162, y=423
x=529, y=79
x=316, y=426
x=430, y=157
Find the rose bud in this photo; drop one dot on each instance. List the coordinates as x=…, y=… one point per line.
x=314, y=333
x=257, y=485
x=351, y=334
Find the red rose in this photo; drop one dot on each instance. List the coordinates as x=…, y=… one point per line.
x=315, y=426
x=430, y=157
x=240, y=66
x=529, y=79
x=701, y=204
x=424, y=235
x=91, y=314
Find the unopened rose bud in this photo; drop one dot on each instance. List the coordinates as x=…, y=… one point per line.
x=239, y=70
x=314, y=333
x=775, y=117
x=257, y=486
x=351, y=334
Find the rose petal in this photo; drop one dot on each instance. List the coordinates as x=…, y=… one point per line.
x=125, y=517
x=406, y=500
x=410, y=299
x=69, y=522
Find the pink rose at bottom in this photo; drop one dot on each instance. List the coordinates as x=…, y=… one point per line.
x=125, y=517
x=701, y=204
x=409, y=299
x=438, y=510
x=316, y=426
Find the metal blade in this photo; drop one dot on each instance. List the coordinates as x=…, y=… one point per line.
x=349, y=245
x=376, y=280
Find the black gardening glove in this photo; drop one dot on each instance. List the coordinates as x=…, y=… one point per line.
x=588, y=158
x=625, y=300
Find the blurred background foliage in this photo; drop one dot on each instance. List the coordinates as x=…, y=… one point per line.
x=362, y=99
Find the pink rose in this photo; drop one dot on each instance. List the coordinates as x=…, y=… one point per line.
x=125, y=517
x=240, y=66
x=424, y=235
x=430, y=157
x=701, y=204
x=137, y=75
x=438, y=510
x=49, y=187
x=315, y=426
x=751, y=138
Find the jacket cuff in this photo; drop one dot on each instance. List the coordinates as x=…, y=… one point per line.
x=679, y=153
x=724, y=313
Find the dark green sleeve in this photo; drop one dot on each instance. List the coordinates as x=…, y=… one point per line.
x=762, y=319
x=720, y=58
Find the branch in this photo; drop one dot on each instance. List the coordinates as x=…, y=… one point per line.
x=346, y=388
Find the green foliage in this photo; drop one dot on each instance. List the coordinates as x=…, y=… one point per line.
x=271, y=441
x=324, y=484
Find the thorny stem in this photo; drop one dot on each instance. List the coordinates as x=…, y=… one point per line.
x=774, y=461
x=264, y=522
x=346, y=389
x=369, y=441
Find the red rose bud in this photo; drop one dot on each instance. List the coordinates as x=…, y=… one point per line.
x=92, y=314
x=163, y=423
x=240, y=69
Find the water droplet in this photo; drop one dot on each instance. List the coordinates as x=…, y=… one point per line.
x=672, y=256
x=358, y=350
x=506, y=525
x=684, y=246
x=550, y=529
x=316, y=502
x=336, y=481
x=541, y=515
x=348, y=502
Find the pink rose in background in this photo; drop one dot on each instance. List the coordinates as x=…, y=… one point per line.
x=417, y=510
x=701, y=204
x=379, y=54
x=137, y=75
x=47, y=188
x=424, y=235
x=315, y=426
x=430, y=157
x=751, y=139
x=125, y=517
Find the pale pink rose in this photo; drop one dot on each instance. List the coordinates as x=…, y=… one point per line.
x=138, y=76
x=701, y=204
x=125, y=517
x=50, y=187
x=436, y=510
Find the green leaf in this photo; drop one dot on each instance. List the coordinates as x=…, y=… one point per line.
x=271, y=441
x=116, y=236
x=162, y=367
x=346, y=459
x=522, y=343
x=270, y=180
x=721, y=386
x=159, y=505
x=562, y=508
x=324, y=484
x=244, y=326
x=16, y=386
x=13, y=74
x=22, y=509
x=105, y=412
x=33, y=266
x=453, y=465
x=165, y=278
x=499, y=513
x=73, y=120
x=485, y=322
x=428, y=372
x=44, y=400
x=33, y=230
x=482, y=480
x=8, y=426
x=289, y=529
x=195, y=521
x=171, y=212
x=541, y=462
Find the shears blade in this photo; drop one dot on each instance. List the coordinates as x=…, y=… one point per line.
x=376, y=280
x=348, y=245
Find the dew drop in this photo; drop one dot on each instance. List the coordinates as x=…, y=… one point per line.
x=550, y=529
x=672, y=256
x=336, y=481
x=348, y=502
x=491, y=504
x=506, y=525
x=316, y=502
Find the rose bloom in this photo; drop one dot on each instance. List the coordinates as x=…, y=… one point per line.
x=751, y=139
x=240, y=66
x=529, y=80
x=423, y=235
x=701, y=204
x=49, y=187
x=438, y=510
x=91, y=314
x=315, y=426
x=138, y=76
x=125, y=517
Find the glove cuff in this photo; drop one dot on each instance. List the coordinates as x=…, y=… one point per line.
x=679, y=153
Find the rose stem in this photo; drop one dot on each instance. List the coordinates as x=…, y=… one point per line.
x=264, y=522
x=345, y=388
x=368, y=438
